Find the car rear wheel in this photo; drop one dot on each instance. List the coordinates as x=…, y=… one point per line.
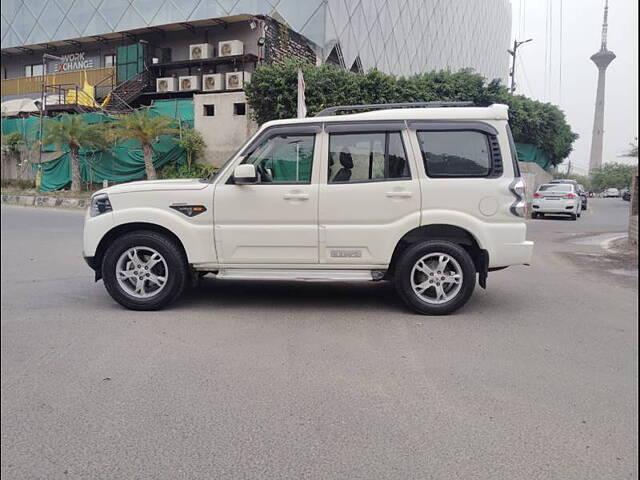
x=144, y=270
x=435, y=277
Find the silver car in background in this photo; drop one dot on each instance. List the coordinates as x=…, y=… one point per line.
x=611, y=193
x=557, y=199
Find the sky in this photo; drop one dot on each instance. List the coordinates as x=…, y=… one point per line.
x=555, y=67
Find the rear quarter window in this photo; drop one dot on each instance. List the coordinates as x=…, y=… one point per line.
x=455, y=153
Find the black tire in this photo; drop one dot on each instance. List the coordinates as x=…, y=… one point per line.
x=574, y=217
x=177, y=274
x=534, y=215
x=417, y=251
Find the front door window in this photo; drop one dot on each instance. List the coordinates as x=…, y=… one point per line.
x=284, y=159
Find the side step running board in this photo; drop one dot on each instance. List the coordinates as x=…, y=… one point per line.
x=299, y=274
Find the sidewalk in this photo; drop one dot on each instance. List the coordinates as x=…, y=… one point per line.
x=35, y=199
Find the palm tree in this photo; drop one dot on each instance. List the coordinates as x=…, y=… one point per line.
x=75, y=133
x=145, y=128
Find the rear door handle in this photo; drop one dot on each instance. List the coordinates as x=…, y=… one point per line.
x=401, y=194
x=296, y=196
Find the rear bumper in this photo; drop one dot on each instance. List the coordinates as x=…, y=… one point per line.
x=554, y=207
x=507, y=244
x=513, y=254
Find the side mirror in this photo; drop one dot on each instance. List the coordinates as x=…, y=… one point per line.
x=245, y=174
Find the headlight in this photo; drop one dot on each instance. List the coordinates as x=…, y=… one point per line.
x=100, y=204
x=518, y=189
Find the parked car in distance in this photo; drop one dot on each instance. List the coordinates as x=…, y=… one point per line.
x=626, y=194
x=557, y=199
x=580, y=189
x=430, y=197
x=611, y=193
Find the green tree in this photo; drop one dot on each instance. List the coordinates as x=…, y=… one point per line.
x=583, y=180
x=193, y=144
x=272, y=95
x=74, y=133
x=633, y=150
x=145, y=128
x=12, y=145
x=610, y=175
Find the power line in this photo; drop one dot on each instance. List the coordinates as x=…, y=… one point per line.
x=546, y=50
x=560, y=67
x=526, y=77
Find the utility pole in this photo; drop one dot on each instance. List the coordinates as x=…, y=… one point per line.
x=513, y=53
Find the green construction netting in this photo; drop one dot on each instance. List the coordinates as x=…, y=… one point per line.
x=123, y=162
x=531, y=153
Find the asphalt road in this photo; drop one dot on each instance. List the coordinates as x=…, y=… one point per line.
x=536, y=378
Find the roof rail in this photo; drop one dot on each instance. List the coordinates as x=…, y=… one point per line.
x=386, y=106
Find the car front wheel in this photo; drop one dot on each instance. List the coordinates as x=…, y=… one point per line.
x=435, y=277
x=144, y=270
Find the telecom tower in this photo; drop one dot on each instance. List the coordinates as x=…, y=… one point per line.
x=602, y=59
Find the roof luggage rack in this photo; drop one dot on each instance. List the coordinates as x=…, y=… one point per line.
x=386, y=106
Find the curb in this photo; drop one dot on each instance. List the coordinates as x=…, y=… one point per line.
x=44, y=201
x=608, y=244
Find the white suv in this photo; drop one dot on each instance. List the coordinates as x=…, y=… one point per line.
x=428, y=197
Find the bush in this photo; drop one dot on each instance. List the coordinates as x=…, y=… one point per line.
x=192, y=142
x=19, y=184
x=176, y=170
x=272, y=94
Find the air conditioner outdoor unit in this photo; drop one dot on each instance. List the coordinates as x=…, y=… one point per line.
x=212, y=82
x=237, y=80
x=168, y=84
x=230, y=48
x=190, y=82
x=200, y=51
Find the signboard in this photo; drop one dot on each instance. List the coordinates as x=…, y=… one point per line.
x=73, y=61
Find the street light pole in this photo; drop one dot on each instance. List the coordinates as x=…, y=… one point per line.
x=513, y=53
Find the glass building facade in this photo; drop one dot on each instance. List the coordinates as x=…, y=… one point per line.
x=395, y=36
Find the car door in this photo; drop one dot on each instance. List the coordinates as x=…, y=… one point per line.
x=369, y=195
x=276, y=220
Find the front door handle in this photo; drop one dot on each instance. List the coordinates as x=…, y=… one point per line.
x=400, y=194
x=296, y=196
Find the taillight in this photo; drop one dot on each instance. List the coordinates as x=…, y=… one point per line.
x=519, y=207
x=537, y=195
x=570, y=195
